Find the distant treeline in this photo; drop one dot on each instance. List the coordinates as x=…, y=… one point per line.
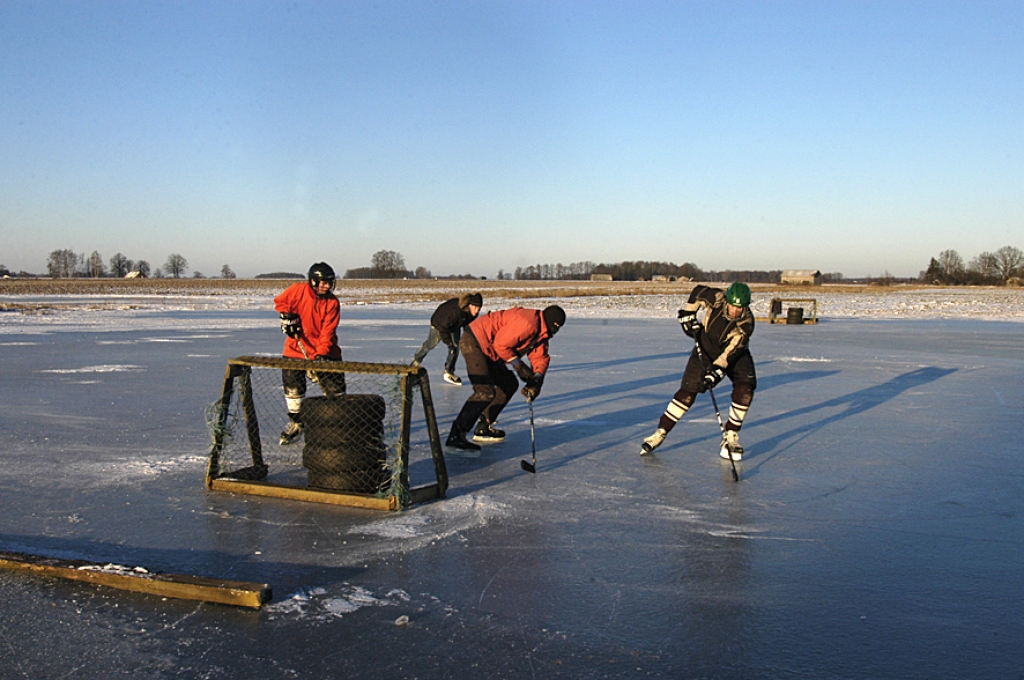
x=281, y=275
x=1004, y=266
x=642, y=270
x=67, y=264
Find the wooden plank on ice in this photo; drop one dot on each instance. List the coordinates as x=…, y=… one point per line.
x=304, y=494
x=139, y=580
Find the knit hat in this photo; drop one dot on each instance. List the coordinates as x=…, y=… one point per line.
x=554, y=318
x=467, y=299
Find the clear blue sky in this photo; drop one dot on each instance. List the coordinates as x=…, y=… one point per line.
x=855, y=137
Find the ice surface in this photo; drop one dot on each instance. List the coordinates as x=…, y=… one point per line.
x=875, y=532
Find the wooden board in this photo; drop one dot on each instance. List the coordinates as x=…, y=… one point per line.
x=296, y=493
x=238, y=593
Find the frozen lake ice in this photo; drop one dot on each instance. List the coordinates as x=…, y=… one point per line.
x=875, y=531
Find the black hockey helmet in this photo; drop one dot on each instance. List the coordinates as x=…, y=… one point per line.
x=321, y=271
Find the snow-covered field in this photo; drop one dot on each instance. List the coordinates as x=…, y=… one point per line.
x=37, y=313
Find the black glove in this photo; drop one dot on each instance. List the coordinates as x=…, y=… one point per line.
x=532, y=389
x=291, y=324
x=713, y=377
x=524, y=372
x=321, y=357
x=689, y=322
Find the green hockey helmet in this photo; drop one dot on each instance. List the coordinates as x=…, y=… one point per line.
x=738, y=295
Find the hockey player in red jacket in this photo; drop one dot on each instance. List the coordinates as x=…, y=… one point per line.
x=490, y=344
x=309, y=317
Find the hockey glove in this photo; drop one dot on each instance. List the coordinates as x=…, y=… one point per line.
x=291, y=324
x=532, y=389
x=713, y=377
x=524, y=372
x=689, y=322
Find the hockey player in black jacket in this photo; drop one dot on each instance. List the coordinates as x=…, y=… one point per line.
x=446, y=326
x=724, y=334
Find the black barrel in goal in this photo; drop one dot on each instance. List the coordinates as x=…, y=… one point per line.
x=345, y=449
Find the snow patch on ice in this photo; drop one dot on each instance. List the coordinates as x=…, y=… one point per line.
x=669, y=512
x=704, y=520
x=104, y=368
x=150, y=468
x=115, y=569
x=749, y=535
x=808, y=360
x=435, y=522
x=117, y=472
x=403, y=527
x=318, y=604
x=559, y=421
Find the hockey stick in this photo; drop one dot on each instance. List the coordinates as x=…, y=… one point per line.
x=323, y=385
x=531, y=467
x=714, y=402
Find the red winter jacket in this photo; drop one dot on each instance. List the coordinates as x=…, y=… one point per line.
x=508, y=334
x=319, y=318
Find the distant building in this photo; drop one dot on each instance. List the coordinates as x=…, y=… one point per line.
x=600, y=277
x=801, y=277
x=662, y=277
x=135, y=275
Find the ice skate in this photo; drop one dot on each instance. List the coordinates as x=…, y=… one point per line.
x=653, y=442
x=291, y=432
x=458, y=445
x=486, y=432
x=452, y=379
x=731, y=445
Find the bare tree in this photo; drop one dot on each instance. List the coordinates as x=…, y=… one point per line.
x=120, y=265
x=1008, y=262
x=94, y=266
x=953, y=269
x=62, y=264
x=387, y=264
x=226, y=273
x=983, y=268
x=175, y=266
x=142, y=267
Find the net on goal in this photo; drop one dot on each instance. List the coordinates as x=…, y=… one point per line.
x=354, y=441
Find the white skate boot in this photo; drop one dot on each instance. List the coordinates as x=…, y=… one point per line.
x=653, y=442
